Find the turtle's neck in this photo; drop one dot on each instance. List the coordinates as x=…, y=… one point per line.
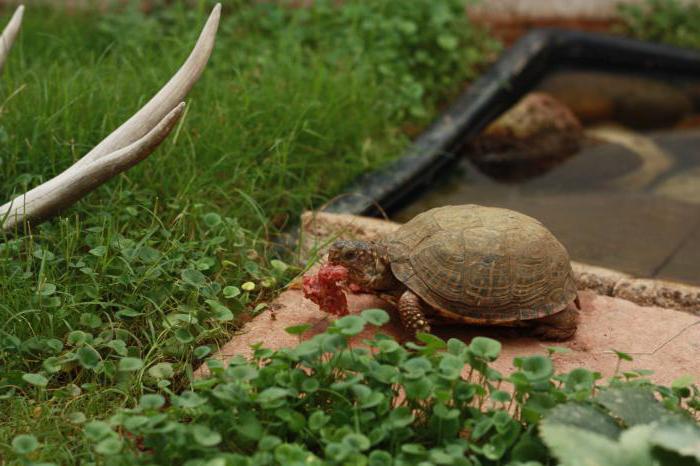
x=384, y=280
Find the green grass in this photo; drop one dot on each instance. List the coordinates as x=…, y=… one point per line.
x=670, y=21
x=127, y=291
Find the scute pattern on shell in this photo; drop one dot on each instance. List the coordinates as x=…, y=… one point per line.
x=483, y=263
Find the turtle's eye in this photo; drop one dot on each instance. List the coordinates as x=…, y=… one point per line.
x=350, y=255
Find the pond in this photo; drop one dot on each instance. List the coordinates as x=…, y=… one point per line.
x=627, y=199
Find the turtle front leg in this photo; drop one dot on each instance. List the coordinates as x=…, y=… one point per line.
x=412, y=312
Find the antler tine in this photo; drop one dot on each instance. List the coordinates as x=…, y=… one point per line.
x=9, y=34
x=71, y=185
x=132, y=142
x=166, y=99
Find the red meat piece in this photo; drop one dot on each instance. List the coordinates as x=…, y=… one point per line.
x=325, y=289
x=354, y=288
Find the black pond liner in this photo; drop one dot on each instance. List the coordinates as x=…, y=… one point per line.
x=518, y=70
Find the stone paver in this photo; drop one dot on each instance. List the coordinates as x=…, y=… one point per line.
x=683, y=264
x=660, y=339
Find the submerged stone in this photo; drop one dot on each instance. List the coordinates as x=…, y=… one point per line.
x=530, y=138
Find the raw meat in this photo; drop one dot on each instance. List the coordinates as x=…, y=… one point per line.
x=326, y=289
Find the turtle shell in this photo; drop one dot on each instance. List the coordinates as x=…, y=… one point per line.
x=482, y=264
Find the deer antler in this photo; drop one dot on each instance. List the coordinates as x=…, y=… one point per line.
x=132, y=142
x=9, y=34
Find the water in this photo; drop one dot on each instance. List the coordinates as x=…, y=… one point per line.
x=628, y=200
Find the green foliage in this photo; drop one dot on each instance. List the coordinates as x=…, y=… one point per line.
x=327, y=402
x=106, y=317
x=130, y=289
x=630, y=422
x=660, y=442
x=24, y=444
x=107, y=310
x=416, y=51
x=672, y=21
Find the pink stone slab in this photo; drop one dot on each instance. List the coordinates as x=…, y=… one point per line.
x=663, y=340
x=660, y=339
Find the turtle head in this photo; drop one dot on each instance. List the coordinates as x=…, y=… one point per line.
x=367, y=263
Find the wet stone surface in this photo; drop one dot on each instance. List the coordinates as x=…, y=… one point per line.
x=636, y=212
x=591, y=227
x=626, y=199
x=635, y=101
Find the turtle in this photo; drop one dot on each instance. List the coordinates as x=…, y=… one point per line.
x=469, y=264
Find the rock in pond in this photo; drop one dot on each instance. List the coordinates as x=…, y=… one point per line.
x=533, y=136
